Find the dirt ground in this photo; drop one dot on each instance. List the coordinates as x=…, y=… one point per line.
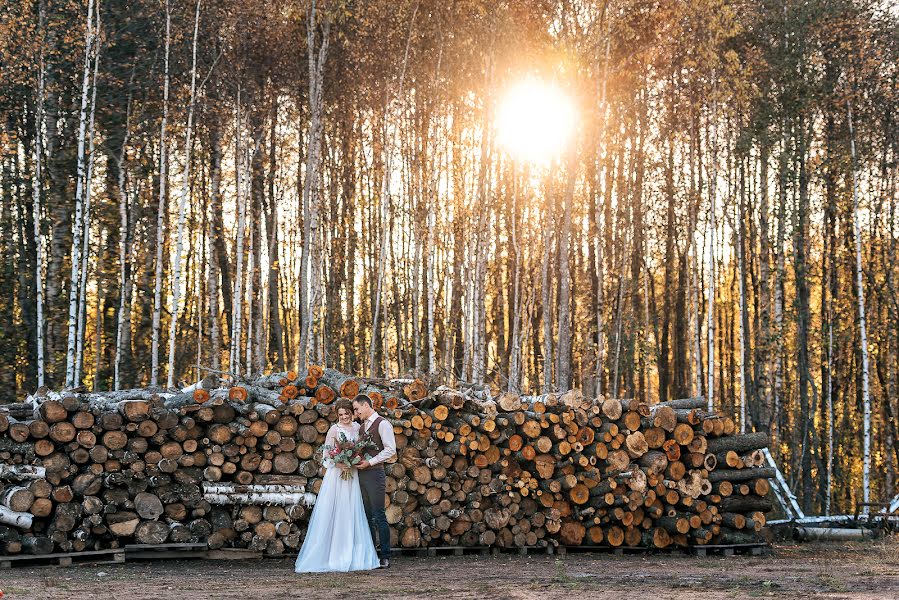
x=856, y=571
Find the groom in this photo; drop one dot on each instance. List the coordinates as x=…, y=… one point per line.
x=371, y=472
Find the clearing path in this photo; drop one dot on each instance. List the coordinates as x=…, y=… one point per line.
x=867, y=571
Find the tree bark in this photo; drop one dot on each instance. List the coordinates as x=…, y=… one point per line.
x=182, y=206
x=80, y=191
x=862, y=324
x=162, y=206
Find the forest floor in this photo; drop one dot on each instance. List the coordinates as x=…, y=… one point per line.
x=820, y=570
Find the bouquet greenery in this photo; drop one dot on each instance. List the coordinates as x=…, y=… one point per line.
x=346, y=452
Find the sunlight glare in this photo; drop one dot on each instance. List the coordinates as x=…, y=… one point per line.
x=535, y=121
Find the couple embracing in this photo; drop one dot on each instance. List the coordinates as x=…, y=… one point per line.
x=349, y=511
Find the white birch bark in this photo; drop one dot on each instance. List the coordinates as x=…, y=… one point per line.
x=79, y=200
x=182, y=206
x=36, y=195
x=16, y=519
x=600, y=304
x=479, y=306
x=619, y=317
x=480, y=354
x=251, y=257
x=546, y=300
x=742, y=310
x=600, y=275
x=203, y=274
x=563, y=354
x=696, y=321
x=514, y=384
x=124, y=247
x=780, y=274
x=308, y=273
x=21, y=472
x=432, y=276
x=414, y=306
x=710, y=299
x=827, y=498
x=237, y=299
x=86, y=231
x=98, y=322
x=213, y=290
x=862, y=324
x=466, y=293
x=160, y=216
x=260, y=334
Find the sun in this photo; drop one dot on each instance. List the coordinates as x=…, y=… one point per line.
x=535, y=121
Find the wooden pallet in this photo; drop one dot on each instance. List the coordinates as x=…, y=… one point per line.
x=730, y=549
x=234, y=554
x=191, y=551
x=722, y=550
x=471, y=550
x=158, y=551
x=450, y=551
x=616, y=550
x=65, y=559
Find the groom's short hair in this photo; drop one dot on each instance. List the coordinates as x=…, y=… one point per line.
x=362, y=399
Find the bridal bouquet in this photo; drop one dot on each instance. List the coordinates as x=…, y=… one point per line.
x=349, y=453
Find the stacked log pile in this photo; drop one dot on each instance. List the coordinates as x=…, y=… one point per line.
x=236, y=465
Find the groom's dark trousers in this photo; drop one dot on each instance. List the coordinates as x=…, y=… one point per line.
x=371, y=482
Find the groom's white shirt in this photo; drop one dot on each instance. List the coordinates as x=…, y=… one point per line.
x=389, y=441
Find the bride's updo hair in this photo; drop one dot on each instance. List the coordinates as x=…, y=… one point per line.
x=343, y=403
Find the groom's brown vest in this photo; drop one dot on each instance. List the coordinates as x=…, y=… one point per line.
x=376, y=437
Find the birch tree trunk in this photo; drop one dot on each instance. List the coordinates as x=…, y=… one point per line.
x=215, y=335
x=309, y=276
x=713, y=226
x=237, y=300
x=256, y=325
x=743, y=316
x=182, y=206
x=161, y=208
x=201, y=291
x=431, y=279
x=86, y=235
x=830, y=416
x=514, y=384
x=697, y=323
x=124, y=318
x=763, y=338
x=275, y=329
x=220, y=265
x=37, y=185
x=98, y=323
x=563, y=353
x=251, y=264
x=546, y=299
x=598, y=208
x=79, y=200
x=862, y=325
x=779, y=275
x=482, y=249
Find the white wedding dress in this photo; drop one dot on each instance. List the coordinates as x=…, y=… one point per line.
x=338, y=537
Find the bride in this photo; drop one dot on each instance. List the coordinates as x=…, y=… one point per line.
x=338, y=537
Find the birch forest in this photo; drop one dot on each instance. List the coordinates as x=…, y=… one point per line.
x=237, y=186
